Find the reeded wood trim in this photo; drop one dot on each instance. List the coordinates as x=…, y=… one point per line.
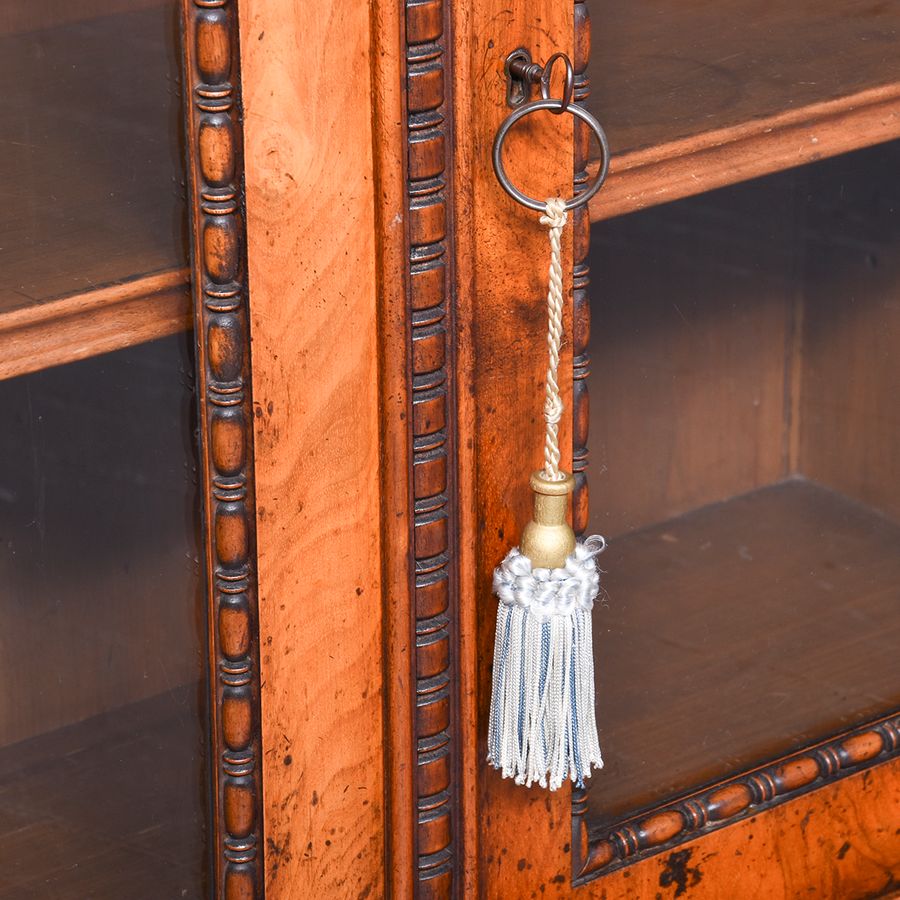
x=99, y=321
x=729, y=801
x=432, y=414
x=211, y=63
x=581, y=314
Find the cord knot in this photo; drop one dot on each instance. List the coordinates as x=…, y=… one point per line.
x=553, y=409
x=555, y=215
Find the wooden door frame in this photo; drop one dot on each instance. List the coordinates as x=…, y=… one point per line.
x=445, y=305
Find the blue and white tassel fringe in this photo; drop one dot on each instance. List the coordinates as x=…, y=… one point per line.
x=542, y=723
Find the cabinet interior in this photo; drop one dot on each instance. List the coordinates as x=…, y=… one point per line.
x=103, y=735
x=699, y=95
x=93, y=227
x=103, y=743
x=745, y=465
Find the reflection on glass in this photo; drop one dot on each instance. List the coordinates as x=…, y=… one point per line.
x=745, y=442
x=102, y=748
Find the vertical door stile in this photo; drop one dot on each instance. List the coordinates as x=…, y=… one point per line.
x=516, y=840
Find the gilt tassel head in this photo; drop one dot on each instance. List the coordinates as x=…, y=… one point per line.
x=548, y=539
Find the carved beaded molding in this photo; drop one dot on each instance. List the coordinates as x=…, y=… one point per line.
x=581, y=319
x=211, y=63
x=737, y=798
x=433, y=514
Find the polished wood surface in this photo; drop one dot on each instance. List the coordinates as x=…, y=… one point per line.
x=90, y=811
x=91, y=156
x=81, y=325
x=838, y=842
x=430, y=391
x=391, y=138
x=501, y=258
x=314, y=310
x=696, y=96
x=735, y=633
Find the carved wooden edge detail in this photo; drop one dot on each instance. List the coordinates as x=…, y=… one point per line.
x=747, y=794
x=434, y=516
x=215, y=152
x=581, y=305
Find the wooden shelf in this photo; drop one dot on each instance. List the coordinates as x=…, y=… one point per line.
x=110, y=807
x=737, y=633
x=696, y=97
x=61, y=331
x=93, y=252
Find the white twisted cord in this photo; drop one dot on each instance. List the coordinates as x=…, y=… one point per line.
x=555, y=217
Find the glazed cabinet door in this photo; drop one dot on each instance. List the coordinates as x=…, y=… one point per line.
x=739, y=341
x=378, y=242
x=371, y=326
x=104, y=759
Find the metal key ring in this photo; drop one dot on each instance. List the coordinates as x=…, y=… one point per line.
x=569, y=85
x=554, y=105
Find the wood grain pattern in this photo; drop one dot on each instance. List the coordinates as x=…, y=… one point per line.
x=311, y=211
x=666, y=827
x=502, y=256
x=699, y=96
x=83, y=325
x=838, y=841
x=390, y=146
x=212, y=76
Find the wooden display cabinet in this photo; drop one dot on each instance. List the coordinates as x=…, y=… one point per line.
x=273, y=357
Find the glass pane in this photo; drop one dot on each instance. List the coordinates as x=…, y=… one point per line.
x=664, y=71
x=103, y=737
x=92, y=153
x=745, y=446
x=102, y=751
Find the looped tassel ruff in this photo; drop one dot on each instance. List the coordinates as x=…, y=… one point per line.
x=542, y=723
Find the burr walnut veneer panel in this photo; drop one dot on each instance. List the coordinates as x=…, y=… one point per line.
x=307, y=91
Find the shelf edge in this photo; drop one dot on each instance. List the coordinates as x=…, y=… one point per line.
x=684, y=168
x=94, y=322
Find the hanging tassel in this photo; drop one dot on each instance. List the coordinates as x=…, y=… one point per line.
x=542, y=725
